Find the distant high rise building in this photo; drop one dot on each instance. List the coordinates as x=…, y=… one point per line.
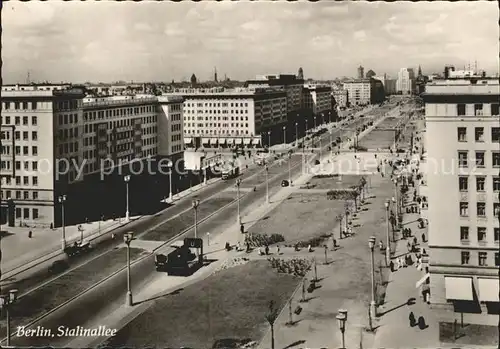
x=361, y=72
x=300, y=75
x=215, y=74
x=193, y=80
x=419, y=74
x=406, y=81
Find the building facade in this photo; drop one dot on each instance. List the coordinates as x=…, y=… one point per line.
x=364, y=91
x=317, y=98
x=56, y=141
x=38, y=123
x=218, y=117
x=170, y=126
x=341, y=98
x=463, y=163
x=405, y=83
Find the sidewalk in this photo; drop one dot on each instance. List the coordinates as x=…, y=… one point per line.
x=395, y=330
x=18, y=249
x=163, y=284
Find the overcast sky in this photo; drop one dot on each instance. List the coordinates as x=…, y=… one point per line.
x=160, y=41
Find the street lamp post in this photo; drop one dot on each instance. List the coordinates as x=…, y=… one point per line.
x=267, y=184
x=371, y=244
x=388, y=243
x=170, y=194
x=126, y=179
x=127, y=238
x=290, y=169
x=238, y=183
x=62, y=200
x=395, y=181
x=342, y=319
x=296, y=134
x=315, y=123
x=5, y=302
x=284, y=136
x=195, y=204
x=269, y=139
x=394, y=203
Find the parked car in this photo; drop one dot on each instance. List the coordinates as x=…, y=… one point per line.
x=58, y=267
x=285, y=183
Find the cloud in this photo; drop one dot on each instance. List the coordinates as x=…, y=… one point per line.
x=108, y=41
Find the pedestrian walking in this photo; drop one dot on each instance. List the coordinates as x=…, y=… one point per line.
x=391, y=265
x=30, y=234
x=267, y=250
x=242, y=228
x=423, y=237
x=381, y=245
x=415, y=241
x=408, y=246
x=309, y=248
x=260, y=251
x=412, y=319
x=278, y=250
x=248, y=247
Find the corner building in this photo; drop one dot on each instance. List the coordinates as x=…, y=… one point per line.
x=463, y=163
x=56, y=141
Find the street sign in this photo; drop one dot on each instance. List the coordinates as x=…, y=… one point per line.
x=193, y=243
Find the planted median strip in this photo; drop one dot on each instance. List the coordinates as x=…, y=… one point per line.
x=61, y=290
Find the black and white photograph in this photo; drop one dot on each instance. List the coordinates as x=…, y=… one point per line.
x=250, y=174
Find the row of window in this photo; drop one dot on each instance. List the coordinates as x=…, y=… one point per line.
x=17, y=149
x=216, y=104
x=219, y=111
x=479, y=134
x=482, y=258
x=25, y=195
x=480, y=209
x=209, y=118
x=131, y=111
x=478, y=109
x=216, y=132
x=20, y=105
x=66, y=148
x=68, y=119
x=479, y=160
x=216, y=125
x=26, y=213
x=17, y=120
x=25, y=180
x=463, y=183
x=481, y=234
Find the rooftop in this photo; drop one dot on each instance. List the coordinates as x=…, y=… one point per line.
x=222, y=91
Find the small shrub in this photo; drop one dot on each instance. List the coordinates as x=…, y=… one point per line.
x=298, y=310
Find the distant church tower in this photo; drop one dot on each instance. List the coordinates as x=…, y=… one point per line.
x=193, y=80
x=215, y=74
x=300, y=75
x=419, y=72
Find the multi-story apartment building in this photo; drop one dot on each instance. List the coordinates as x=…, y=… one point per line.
x=341, y=98
x=170, y=127
x=289, y=82
x=405, y=83
x=463, y=163
x=219, y=117
x=317, y=98
x=364, y=91
x=56, y=141
x=33, y=117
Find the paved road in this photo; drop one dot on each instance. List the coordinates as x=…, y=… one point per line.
x=111, y=293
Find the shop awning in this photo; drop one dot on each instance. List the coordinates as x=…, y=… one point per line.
x=230, y=141
x=205, y=140
x=239, y=141
x=488, y=290
x=213, y=141
x=256, y=141
x=422, y=280
x=222, y=141
x=247, y=141
x=188, y=140
x=458, y=288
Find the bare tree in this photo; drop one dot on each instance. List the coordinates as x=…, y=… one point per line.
x=271, y=317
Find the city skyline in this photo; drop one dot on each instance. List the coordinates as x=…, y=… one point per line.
x=73, y=42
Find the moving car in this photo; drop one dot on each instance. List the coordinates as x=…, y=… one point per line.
x=285, y=183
